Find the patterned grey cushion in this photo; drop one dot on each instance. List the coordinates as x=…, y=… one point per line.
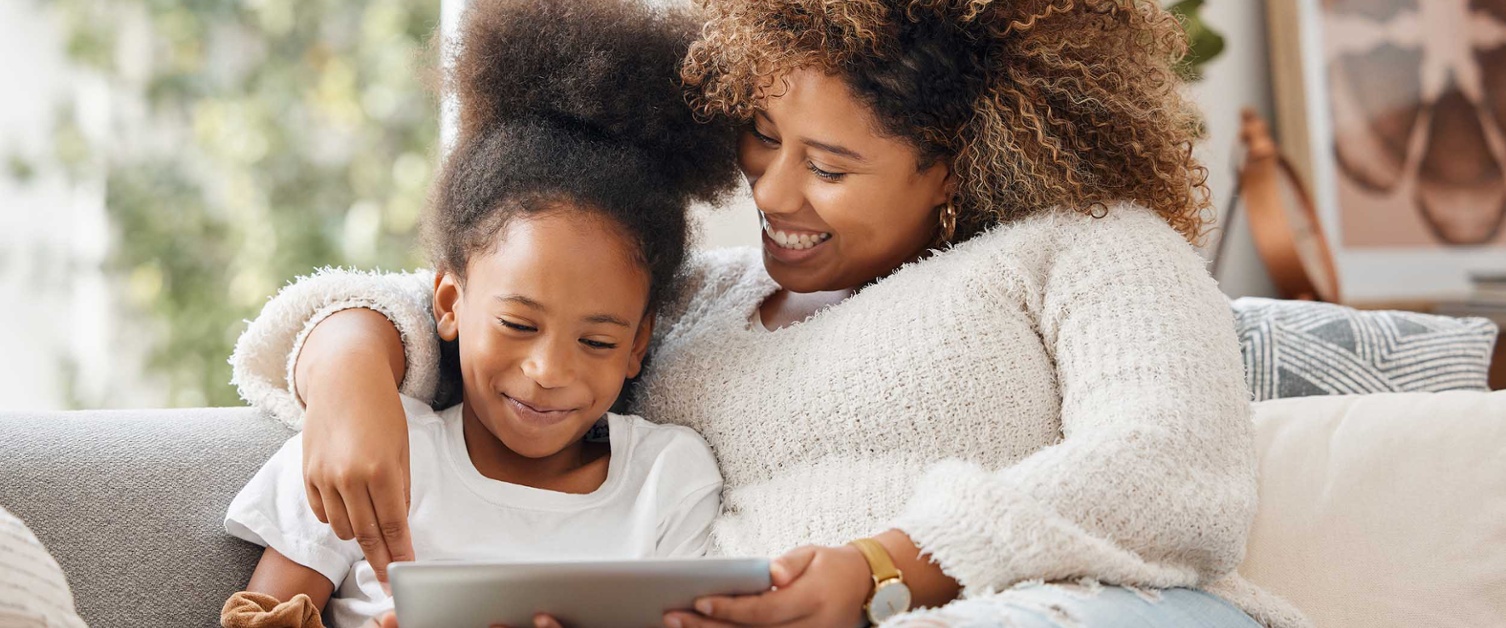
x=1300, y=349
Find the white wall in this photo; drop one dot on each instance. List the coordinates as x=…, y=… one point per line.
x=1238, y=78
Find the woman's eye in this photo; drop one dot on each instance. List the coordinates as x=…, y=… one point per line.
x=824, y=174
x=515, y=326
x=597, y=344
x=764, y=139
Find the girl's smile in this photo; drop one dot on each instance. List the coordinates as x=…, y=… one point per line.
x=541, y=416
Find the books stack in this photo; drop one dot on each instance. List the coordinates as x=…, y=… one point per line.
x=1487, y=299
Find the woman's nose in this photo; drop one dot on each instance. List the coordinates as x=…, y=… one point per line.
x=549, y=365
x=776, y=190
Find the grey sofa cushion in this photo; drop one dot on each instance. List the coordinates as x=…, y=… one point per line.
x=132, y=505
x=1299, y=349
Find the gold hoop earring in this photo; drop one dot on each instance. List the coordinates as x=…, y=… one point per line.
x=948, y=222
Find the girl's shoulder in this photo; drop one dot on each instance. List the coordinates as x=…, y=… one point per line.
x=679, y=452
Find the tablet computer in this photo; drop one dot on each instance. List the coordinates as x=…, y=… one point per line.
x=628, y=593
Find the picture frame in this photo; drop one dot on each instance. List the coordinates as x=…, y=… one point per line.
x=1394, y=112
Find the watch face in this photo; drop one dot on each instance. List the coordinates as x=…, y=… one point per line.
x=890, y=599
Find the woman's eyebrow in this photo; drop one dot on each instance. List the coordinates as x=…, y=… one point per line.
x=835, y=149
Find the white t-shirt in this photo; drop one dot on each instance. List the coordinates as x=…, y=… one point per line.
x=661, y=494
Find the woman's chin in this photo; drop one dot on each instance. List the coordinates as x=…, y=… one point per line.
x=794, y=280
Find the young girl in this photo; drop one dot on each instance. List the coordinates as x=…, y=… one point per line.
x=557, y=228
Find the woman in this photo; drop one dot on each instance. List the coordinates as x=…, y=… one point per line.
x=976, y=340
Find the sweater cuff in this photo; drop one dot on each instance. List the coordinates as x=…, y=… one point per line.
x=420, y=348
x=988, y=536
x=267, y=351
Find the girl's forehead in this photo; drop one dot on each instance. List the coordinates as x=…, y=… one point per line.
x=565, y=260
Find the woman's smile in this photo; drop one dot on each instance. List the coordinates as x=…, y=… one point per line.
x=790, y=244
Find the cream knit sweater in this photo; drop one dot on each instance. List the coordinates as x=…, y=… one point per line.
x=1059, y=398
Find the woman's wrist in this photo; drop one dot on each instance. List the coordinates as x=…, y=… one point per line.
x=929, y=585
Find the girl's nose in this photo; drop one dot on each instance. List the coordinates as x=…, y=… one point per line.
x=550, y=365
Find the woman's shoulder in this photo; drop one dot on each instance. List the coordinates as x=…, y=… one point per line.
x=713, y=271
x=1045, y=241
x=1061, y=227
x=1022, y=260
x=714, y=279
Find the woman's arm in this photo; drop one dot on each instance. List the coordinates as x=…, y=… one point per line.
x=355, y=437
x=337, y=347
x=1153, y=483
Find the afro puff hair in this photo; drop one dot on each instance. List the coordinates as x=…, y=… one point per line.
x=609, y=66
x=577, y=104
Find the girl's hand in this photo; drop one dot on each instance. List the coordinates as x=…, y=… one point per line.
x=355, y=434
x=814, y=586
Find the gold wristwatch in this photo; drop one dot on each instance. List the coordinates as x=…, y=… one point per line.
x=890, y=596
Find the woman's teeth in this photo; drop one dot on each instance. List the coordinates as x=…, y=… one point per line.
x=796, y=241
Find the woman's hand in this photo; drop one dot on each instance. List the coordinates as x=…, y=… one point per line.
x=813, y=586
x=355, y=434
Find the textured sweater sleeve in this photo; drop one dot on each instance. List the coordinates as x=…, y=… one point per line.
x=266, y=352
x=1153, y=482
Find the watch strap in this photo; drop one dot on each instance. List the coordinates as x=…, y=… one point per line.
x=878, y=559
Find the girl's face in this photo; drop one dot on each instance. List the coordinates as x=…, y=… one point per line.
x=842, y=205
x=551, y=322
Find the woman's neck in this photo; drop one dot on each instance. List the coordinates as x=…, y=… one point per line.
x=785, y=308
x=580, y=467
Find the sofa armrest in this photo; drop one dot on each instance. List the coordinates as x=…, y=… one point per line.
x=132, y=504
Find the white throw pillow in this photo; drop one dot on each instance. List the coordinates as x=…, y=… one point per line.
x=33, y=592
x=1384, y=510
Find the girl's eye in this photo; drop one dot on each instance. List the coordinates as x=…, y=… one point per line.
x=515, y=326
x=823, y=174
x=764, y=139
x=597, y=344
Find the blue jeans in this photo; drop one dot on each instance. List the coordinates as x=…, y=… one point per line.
x=1070, y=605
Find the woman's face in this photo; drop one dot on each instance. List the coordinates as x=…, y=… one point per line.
x=841, y=204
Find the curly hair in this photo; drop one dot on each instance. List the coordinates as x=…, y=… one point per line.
x=576, y=103
x=1033, y=104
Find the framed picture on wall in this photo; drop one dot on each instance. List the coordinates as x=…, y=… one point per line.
x=1394, y=111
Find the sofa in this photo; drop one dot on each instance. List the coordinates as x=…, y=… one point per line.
x=1386, y=508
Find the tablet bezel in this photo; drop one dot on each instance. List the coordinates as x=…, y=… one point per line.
x=627, y=593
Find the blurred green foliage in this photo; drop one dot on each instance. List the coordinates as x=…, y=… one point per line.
x=1203, y=43
x=250, y=142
